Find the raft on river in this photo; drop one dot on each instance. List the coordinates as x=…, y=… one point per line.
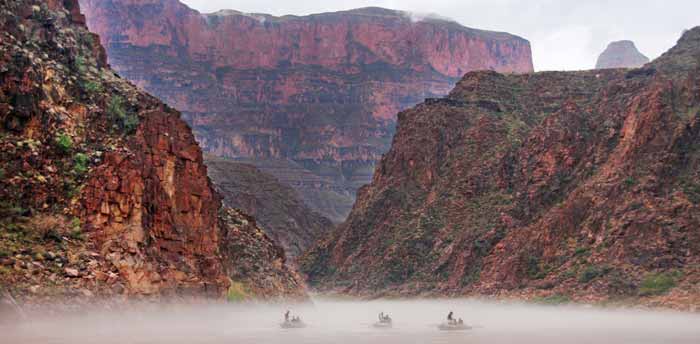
x=453, y=327
x=382, y=324
x=293, y=324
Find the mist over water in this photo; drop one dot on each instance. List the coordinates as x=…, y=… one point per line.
x=331, y=321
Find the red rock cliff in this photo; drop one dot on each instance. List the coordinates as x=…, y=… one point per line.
x=104, y=190
x=554, y=186
x=321, y=90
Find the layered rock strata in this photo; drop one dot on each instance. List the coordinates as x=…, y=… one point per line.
x=318, y=91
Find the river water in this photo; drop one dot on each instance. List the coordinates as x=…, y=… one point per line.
x=350, y=322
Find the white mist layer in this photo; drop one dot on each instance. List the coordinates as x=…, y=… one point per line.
x=417, y=17
x=350, y=322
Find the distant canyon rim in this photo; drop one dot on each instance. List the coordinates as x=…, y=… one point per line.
x=311, y=99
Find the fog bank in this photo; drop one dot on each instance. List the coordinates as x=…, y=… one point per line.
x=332, y=321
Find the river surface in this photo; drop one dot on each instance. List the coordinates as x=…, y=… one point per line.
x=342, y=322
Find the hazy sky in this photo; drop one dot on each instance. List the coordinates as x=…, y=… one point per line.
x=565, y=34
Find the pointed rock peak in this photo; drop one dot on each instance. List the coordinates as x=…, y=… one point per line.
x=621, y=54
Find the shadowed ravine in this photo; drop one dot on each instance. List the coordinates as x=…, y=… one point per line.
x=349, y=322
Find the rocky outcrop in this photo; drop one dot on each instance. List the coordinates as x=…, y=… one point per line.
x=554, y=186
x=104, y=191
x=621, y=54
x=259, y=267
x=320, y=90
x=277, y=207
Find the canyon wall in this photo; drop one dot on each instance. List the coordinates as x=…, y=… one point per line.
x=553, y=186
x=277, y=207
x=104, y=192
x=318, y=91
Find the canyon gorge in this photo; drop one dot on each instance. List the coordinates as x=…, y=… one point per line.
x=309, y=99
x=150, y=152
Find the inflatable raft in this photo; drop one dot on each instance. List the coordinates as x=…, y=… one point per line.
x=454, y=327
x=293, y=324
x=382, y=325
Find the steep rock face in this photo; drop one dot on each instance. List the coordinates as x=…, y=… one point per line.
x=578, y=185
x=621, y=54
x=320, y=90
x=277, y=207
x=104, y=190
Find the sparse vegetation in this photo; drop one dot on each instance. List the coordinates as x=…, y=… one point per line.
x=80, y=163
x=64, y=143
x=80, y=65
x=40, y=13
x=582, y=251
x=115, y=108
x=92, y=87
x=76, y=234
x=692, y=190
x=592, y=272
x=4, y=270
x=535, y=270
x=75, y=223
x=568, y=274
x=76, y=230
x=236, y=293
x=87, y=40
x=553, y=300
x=9, y=210
x=659, y=283
x=125, y=120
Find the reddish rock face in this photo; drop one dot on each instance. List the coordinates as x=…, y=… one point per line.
x=103, y=187
x=155, y=203
x=578, y=185
x=320, y=90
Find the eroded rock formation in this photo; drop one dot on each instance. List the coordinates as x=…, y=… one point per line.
x=319, y=91
x=621, y=54
x=560, y=186
x=104, y=190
